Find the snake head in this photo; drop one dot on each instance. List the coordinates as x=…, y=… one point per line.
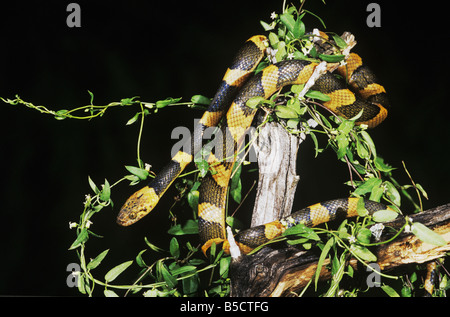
x=137, y=206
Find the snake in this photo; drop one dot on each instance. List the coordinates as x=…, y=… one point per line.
x=354, y=91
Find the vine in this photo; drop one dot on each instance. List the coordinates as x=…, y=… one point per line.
x=183, y=270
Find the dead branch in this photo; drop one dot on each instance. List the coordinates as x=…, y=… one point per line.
x=283, y=270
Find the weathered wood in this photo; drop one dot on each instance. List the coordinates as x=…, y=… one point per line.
x=283, y=270
x=277, y=173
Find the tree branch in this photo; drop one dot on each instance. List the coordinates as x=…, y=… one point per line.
x=282, y=270
x=277, y=173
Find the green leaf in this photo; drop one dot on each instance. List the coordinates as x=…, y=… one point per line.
x=254, y=102
x=234, y=223
x=166, y=102
x=422, y=190
x=299, y=28
x=224, y=266
x=303, y=231
x=93, y=186
x=361, y=150
x=332, y=58
x=106, y=192
x=285, y=112
x=315, y=94
x=390, y=291
x=322, y=257
x=203, y=167
x=116, y=271
x=128, y=101
x=406, y=291
x=288, y=20
x=369, y=142
x=134, y=119
x=61, y=114
x=139, y=260
x=346, y=126
x=295, y=105
x=376, y=193
x=82, y=284
x=364, y=235
x=363, y=253
x=97, y=260
x=193, y=197
x=165, y=275
x=427, y=235
x=191, y=227
x=392, y=193
x=266, y=26
x=152, y=246
x=361, y=208
x=281, y=51
x=296, y=89
x=110, y=293
x=202, y=100
x=92, y=97
x=384, y=215
x=297, y=241
x=82, y=237
x=339, y=41
x=236, y=184
x=273, y=39
x=342, y=141
x=367, y=186
x=174, y=248
x=183, y=270
x=381, y=166
x=316, y=144
x=139, y=172
x=292, y=123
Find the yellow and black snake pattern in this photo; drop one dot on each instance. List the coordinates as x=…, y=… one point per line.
x=229, y=105
x=430, y=279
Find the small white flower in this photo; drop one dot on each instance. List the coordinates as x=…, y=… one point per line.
x=302, y=136
x=407, y=229
x=290, y=56
x=147, y=167
x=88, y=223
x=72, y=224
x=352, y=239
x=271, y=54
x=312, y=123
x=273, y=15
x=307, y=48
x=87, y=200
x=363, y=126
x=377, y=230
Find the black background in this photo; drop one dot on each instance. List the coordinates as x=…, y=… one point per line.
x=177, y=49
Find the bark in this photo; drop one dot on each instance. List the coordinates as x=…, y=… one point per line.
x=277, y=173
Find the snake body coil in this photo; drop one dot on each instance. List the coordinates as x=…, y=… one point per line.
x=236, y=89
